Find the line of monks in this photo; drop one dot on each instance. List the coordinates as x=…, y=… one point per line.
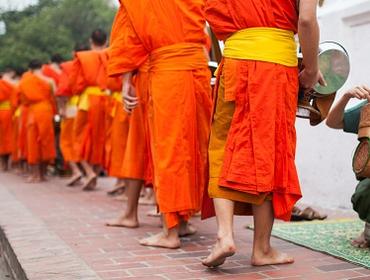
x=143, y=110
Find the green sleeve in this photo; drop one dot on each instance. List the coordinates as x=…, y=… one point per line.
x=351, y=118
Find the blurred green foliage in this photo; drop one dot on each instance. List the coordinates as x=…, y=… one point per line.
x=51, y=26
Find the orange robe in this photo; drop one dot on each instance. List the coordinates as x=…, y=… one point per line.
x=253, y=138
x=16, y=118
x=48, y=71
x=137, y=160
x=6, y=90
x=171, y=34
x=36, y=93
x=23, y=136
x=67, y=124
x=89, y=80
x=118, y=120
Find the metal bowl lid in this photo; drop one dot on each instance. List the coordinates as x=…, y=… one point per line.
x=334, y=65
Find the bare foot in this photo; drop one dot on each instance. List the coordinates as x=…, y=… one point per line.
x=223, y=249
x=161, y=240
x=117, y=190
x=34, y=180
x=123, y=221
x=74, y=180
x=121, y=197
x=90, y=184
x=187, y=229
x=271, y=257
x=360, y=242
x=146, y=200
x=154, y=213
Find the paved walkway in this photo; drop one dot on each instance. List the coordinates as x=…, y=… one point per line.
x=58, y=233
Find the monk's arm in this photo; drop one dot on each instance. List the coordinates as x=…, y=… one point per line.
x=336, y=115
x=309, y=36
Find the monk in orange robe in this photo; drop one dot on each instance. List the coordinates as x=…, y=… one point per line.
x=16, y=120
x=252, y=144
x=89, y=81
x=68, y=110
x=6, y=90
x=133, y=164
x=37, y=92
x=171, y=35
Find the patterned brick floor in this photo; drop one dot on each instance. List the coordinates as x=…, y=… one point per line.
x=73, y=242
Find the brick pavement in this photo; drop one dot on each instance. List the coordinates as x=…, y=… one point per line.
x=58, y=233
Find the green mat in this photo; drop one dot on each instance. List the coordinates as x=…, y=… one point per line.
x=330, y=237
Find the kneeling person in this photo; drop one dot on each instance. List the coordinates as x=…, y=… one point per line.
x=349, y=120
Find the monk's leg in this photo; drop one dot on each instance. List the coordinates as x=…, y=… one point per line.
x=263, y=253
x=4, y=163
x=168, y=238
x=129, y=217
x=186, y=229
x=154, y=213
x=91, y=177
x=76, y=174
x=225, y=245
x=118, y=188
x=35, y=173
x=43, y=169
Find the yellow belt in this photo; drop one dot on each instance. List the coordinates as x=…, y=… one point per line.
x=117, y=96
x=73, y=101
x=84, y=97
x=5, y=105
x=263, y=44
x=17, y=112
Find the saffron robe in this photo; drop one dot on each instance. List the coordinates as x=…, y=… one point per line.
x=89, y=80
x=137, y=160
x=67, y=124
x=6, y=90
x=16, y=117
x=171, y=34
x=253, y=138
x=37, y=95
x=117, y=128
x=50, y=72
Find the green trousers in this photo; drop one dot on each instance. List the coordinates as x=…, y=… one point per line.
x=361, y=200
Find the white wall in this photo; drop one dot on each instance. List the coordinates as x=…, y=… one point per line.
x=323, y=155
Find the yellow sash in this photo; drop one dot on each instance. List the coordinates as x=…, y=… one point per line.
x=72, y=107
x=17, y=112
x=117, y=96
x=73, y=101
x=5, y=105
x=263, y=44
x=84, y=97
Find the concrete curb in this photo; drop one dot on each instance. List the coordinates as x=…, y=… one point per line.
x=11, y=261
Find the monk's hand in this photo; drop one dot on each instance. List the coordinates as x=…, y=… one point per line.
x=309, y=79
x=359, y=92
x=130, y=99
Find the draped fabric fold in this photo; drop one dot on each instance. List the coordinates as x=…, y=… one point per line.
x=253, y=138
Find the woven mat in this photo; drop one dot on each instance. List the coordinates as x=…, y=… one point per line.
x=331, y=237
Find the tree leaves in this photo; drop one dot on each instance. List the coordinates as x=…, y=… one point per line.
x=52, y=26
